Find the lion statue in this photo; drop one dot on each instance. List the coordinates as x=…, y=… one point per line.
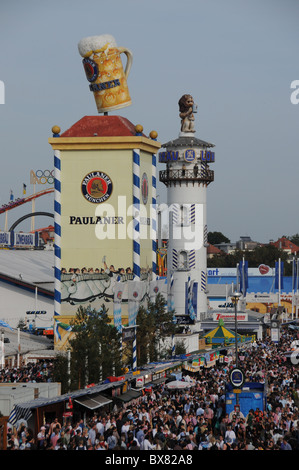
x=186, y=106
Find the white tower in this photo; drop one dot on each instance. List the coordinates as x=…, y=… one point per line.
x=186, y=177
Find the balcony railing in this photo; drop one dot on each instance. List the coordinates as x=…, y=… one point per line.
x=203, y=175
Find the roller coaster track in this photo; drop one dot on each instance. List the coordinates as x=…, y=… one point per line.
x=18, y=202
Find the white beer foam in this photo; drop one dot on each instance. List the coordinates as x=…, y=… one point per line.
x=93, y=43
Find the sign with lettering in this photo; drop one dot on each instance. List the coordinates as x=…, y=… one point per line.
x=207, y=156
x=24, y=239
x=189, y=156
x=91, y=69
x=229, y=316
x=263, y=297
x=96, y=187
x=168, y=157
x=4, y=238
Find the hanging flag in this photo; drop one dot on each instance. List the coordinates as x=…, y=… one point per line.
x=171, y=296
x=243, y=272
x=18, y=413
x=278, y=274
x=118, y=290
x=155, y=288
x=24, y=188
x=11, y=195
x=172, y=346
x=4, y=324
x=136, y=291
x=294, y=274
x=190, y=305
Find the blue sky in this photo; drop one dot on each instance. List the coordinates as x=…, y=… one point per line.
x=236, y=58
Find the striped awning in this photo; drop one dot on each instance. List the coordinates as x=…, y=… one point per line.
x=18, y=413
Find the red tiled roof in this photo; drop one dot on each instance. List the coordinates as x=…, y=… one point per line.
x=284, y=244
x=213, y=250
x=102, y=126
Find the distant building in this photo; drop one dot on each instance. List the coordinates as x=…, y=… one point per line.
x=286, y=245
x=227, y=248
x=213, y=251
x=245, y=243
x=46, y=235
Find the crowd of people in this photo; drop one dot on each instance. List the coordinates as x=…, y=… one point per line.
x=31, y=372
x=193, y=418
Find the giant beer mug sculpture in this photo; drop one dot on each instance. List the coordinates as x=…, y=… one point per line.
x=104, y=70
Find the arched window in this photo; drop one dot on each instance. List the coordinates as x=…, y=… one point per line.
x=184, y=214
x=183, y=260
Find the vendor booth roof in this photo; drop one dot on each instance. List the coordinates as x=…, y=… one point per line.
x=130, y=395
x=93, y=402
x=220, y=333
x=24, y=410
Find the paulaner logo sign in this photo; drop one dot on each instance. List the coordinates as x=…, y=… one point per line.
x=96, y=187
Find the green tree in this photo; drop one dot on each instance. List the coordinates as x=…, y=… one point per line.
x=95, y=347
x=22, y=324
x=294, y=239
x=266, y=254
x=215, y=238
x=179, y=349
x=155, y=323
x=60, y=372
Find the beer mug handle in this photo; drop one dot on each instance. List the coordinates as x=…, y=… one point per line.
x=129, y=59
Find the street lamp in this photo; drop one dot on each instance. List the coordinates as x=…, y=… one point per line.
x=235, y=297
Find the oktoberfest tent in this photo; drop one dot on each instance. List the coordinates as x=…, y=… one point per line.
x=221, y=335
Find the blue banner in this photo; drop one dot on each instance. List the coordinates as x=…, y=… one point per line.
x=294, y=274
x=191, y=299
x=243, y=272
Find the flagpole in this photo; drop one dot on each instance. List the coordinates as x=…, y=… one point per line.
x=136, y=235
x=226, y=296
x=33, y=211
x=57, y=227
x=2, y=351
x=154, y=216
x=293, y=281
x=279, y=281
x=243, y=274
x=19, y=348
